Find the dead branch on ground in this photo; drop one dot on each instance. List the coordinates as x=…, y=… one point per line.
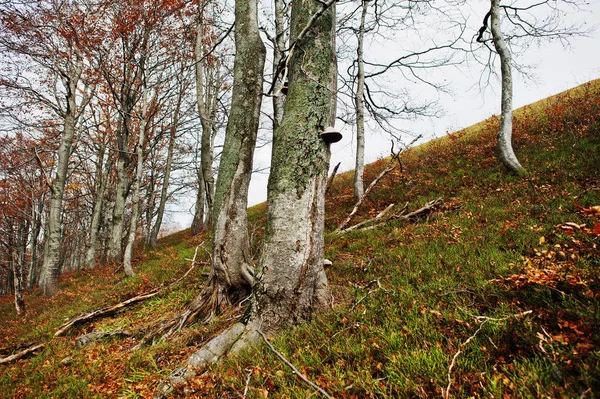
x=109, y=310
x=382, y=217
x=395, y=158
x=22, y=353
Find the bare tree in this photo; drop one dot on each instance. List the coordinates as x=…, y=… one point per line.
x=524, y=24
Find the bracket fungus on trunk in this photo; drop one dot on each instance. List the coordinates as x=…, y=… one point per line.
x=330, y=135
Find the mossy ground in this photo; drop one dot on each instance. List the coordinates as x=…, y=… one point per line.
x=406, y=296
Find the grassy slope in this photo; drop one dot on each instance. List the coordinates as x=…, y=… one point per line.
x=495, y=249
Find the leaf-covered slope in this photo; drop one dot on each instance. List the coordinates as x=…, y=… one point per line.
x=494, y=294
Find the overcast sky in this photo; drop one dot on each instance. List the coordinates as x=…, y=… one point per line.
x=554, y=69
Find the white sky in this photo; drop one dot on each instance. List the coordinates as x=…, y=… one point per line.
x=554, y=69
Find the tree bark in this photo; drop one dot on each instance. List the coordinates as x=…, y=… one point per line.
x=165, y=187
x=291, y=284
x=232, y=263
x=51, y=262
x=36, y=221
x=115, y=243
x=100, y=185
x=206, y=110
x=360, y=108
x=198, y=221
x=18, y=260
x=135, y=207
x=505, y=148
x=278, y=54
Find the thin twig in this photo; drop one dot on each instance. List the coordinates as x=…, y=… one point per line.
x=247, y=383
x=294, y=369
x=483, y=320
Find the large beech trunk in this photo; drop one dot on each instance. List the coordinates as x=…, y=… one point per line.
x=232, y=264
x=505, y=148
x=291, y=284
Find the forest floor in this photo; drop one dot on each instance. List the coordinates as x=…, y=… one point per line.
x=495, y=293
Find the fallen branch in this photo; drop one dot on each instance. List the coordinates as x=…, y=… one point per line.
x=104, y=311
x=369, y=285
x=22, y=353
x=400, y=215
x=294, y=369
x=379, y=216
x=109, y=310
x=390, y=166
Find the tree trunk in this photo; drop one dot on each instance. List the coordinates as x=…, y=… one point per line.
x=165, y=187
x=116, y=233
x=51, y=262
x=291, y=284
x=206, y=110
x=36, y=221
x=101, y=181
x=278, y=54
x=360, y=109
x=232, y=264
x=18, y=262
x=505, y=149
x=135, y=206
x=198, y=221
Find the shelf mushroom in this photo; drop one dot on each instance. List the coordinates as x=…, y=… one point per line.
x=331, y=135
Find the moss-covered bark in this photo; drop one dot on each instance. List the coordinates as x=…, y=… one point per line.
x=291, y=283
x=231, y=255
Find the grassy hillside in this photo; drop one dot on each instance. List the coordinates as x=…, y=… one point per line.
x=494, y=294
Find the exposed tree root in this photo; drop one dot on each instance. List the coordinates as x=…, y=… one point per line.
x=211, y=301
x=86, y=339
x=226, y=342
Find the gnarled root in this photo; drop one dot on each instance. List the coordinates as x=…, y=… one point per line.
x=230, y=341
x=211, y=301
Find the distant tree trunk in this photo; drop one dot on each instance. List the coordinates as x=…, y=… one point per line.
x=51, y=263
x=360, y=108
x=206, y=110
x=135, y=207
x=291, y=283
x=116, y=229
x=101, y=181
x=198, y=221
x=232, y=263
x=505, y=148
x=165, y=186
x=36, y=222
x=18, y=262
